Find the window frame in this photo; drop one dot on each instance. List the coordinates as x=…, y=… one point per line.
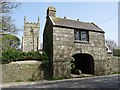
x=80, y=35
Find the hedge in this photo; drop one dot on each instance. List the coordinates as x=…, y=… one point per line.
x=13, y=55
x=116, y=52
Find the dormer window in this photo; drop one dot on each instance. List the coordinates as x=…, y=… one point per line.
x=80, y=35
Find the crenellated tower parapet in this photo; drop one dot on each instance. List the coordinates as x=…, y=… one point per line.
x=31, y=36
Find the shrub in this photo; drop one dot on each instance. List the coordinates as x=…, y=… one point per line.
x=9, y=55
x=13, y=55
x=116, y=52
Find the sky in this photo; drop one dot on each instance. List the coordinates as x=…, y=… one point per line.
x=103, y=14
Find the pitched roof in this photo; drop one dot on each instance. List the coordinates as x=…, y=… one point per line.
x=74, y=24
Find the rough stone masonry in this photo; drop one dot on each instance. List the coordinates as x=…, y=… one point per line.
x=66, y=40
x=31, y=37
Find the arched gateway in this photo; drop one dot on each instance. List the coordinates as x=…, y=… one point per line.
x=84, y=62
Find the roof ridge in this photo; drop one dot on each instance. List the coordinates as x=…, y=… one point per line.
x=71, y=20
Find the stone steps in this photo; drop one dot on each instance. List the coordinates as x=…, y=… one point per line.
x=81, y=75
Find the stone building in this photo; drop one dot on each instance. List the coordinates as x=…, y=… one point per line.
x=66, y=40
x=30, y=39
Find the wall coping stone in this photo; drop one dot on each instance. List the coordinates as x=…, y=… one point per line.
x=25, y=62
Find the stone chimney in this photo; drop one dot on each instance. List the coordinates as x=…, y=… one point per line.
x=51, y=11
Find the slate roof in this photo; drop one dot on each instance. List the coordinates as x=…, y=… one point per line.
x=75, y=24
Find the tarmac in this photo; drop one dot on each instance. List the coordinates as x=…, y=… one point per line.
x=5, y=85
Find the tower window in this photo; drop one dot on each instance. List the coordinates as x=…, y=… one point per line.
x=31, y=30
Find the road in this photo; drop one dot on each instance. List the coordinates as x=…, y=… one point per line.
x=109, y=81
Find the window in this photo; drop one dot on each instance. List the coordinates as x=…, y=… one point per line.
x=81, y=35
x=77, y=35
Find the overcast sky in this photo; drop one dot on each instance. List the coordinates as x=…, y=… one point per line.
x=104, y=14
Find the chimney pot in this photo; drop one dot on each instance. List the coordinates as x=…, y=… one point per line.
x=38, y=19
x=77, y=19
x=64, y=17
x=25, y=19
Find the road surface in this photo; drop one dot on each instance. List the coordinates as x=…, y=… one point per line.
x=109, y=81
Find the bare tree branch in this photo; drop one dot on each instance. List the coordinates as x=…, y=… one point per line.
x=6, y=25
x=111, y=44
x=7, y=7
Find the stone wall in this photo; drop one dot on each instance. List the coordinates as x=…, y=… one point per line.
x=112, y=65
x=33, y=70
x=48, y=45
x=22, y=71
x=64, y=47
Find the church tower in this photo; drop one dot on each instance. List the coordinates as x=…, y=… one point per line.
x=30, y=39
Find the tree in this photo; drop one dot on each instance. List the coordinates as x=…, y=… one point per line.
x=7, y=26
x=111, y=44
x=10, y=42
x=114, y=47
x=8, y=6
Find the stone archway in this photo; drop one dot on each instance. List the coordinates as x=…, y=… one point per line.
x=84, y=62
